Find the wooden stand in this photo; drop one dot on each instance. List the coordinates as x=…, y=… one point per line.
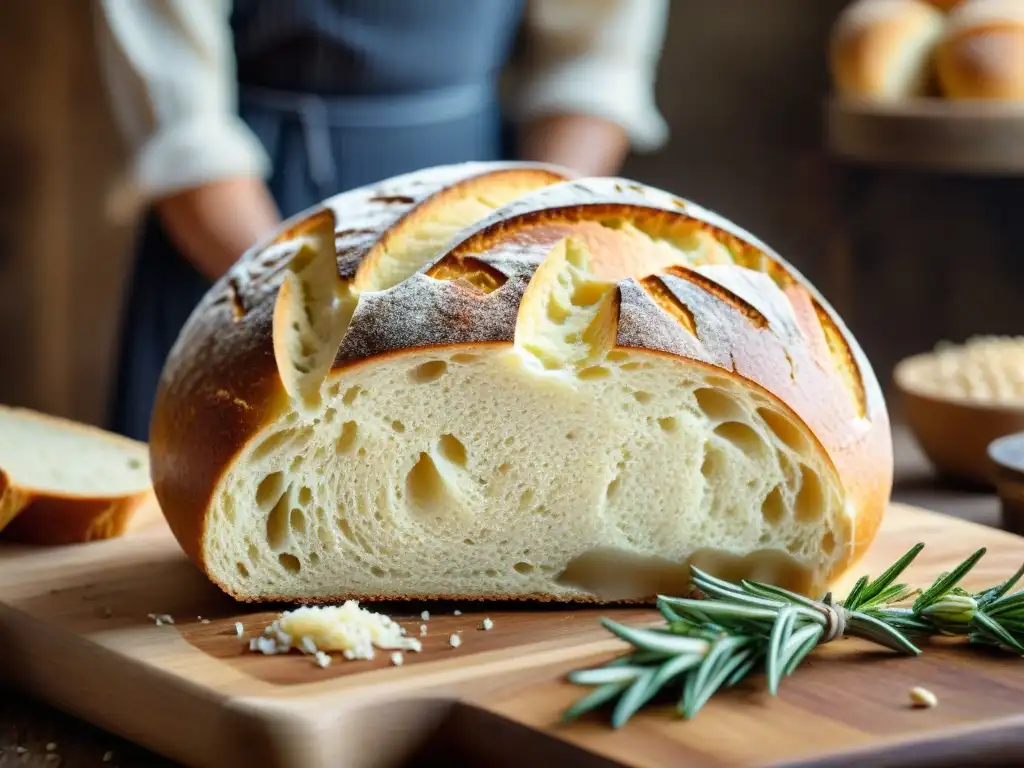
x=929, y=134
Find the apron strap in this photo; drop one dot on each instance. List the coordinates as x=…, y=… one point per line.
x=318, y=114
x=316, y=127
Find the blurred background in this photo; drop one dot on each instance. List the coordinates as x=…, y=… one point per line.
x=906, y=257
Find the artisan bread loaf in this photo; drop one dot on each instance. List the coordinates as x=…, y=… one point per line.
x=883, y=49
x=62, y=482
x=981, y=55
x=496, y=381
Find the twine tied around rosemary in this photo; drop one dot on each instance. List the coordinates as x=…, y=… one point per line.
x=731, y=630
x=835, y=620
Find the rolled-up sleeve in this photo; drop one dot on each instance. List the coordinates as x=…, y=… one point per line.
x=170, y=72
x=594, y=57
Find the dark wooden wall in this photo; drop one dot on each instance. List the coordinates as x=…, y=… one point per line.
x=61, y=259
x=907, y=258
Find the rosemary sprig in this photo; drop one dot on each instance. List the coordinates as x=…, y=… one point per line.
x=717, y=640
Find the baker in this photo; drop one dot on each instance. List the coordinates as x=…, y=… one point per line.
x=237, y=114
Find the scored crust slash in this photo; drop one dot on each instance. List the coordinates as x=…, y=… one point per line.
x=499, y=381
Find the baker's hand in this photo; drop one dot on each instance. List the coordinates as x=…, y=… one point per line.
x=214, y=224
x=589, y=145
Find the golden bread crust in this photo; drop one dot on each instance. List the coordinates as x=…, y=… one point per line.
x=54, y=520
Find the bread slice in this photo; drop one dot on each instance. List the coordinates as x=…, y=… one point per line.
x=62, y=482
x=578, y=389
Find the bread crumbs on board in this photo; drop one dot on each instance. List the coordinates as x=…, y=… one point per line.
x=347, y=629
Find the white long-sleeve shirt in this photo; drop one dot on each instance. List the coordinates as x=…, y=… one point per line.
x=170, y=70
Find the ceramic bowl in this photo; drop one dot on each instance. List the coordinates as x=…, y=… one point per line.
x=955, y=433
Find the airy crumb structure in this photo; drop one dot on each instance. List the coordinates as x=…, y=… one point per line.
x=985, y=369
x=496, y=381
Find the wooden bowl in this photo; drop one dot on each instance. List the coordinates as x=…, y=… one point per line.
x=1007, y=457
x=955, y=433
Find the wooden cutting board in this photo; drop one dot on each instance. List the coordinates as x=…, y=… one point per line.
x=74, y=629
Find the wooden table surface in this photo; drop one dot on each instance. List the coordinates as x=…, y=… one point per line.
x=28, y=727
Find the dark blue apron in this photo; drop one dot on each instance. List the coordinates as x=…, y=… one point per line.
x=341, y=93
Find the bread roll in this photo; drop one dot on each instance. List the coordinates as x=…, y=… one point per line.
x=64, y=483
x=492, y=381
x=981, y=56
x=882, y=49
x=946, y=5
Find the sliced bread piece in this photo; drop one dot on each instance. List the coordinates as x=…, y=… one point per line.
x=62, y=482
x=560, y=390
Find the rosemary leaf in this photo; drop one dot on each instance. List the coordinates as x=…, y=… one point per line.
x=705, y=582
x=946, y=582
x=672, y=668
x=782, y=631
x=997, y=592
x=989, y=625
x=719, y=651
x=717, y=610
x=635, y=697
x=644, y=657
x=608, y=674
x=707, y=685
x=754, y=657
x=852, y=601
x=780, y=596
x=902, y=620
x=895, y=593
x=1004, y=605
x=893, y=572
x=802, y=643
x=868, y=627
x=649, y=640
x=646, y=687
x=593, y=700
x=666, y=610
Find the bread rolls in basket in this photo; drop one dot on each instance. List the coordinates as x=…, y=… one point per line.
x=496, y=381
